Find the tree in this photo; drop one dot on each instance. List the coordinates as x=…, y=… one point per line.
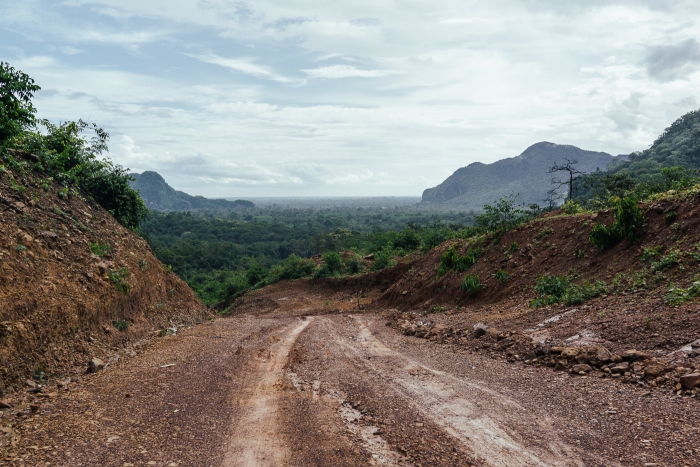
x=16, y=109
x=573, y=173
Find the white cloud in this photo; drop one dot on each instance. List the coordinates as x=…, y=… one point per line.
x=347, y=71
x=244, y=65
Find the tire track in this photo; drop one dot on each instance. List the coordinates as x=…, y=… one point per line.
x=489, y=424
x=257, y=440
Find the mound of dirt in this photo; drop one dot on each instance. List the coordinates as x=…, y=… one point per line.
x=63, y=301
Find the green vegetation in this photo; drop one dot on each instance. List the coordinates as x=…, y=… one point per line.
x=628, y=219
x=648, y=254
x=62, y=151
x=501, y=275
x=471, y=284
x=453, y=261
x=100, y=249
x=121, y=324
x=119, y=278
x=666, y=262
x=676, y=296
x=555, y=289
x=671, y=217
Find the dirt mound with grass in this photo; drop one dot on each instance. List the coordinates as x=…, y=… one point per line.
x=74, y=284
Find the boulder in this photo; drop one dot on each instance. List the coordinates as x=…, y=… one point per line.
x=95, y=365
x=690, y=381
x=369, y=257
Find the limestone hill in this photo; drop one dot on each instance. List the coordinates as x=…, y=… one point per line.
x=477, y=184
x=160, y=196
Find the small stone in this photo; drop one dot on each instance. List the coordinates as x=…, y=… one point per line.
x=620, y=368
x=30, y=383
x=654, y=369
x=95, y=365
x=480, y=329
x=571, y=352
x=690, y=381
x=634, y=355
x=581, y=368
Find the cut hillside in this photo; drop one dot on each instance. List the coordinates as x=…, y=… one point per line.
x=477, y=184
x=160, y=196
x=75, y=284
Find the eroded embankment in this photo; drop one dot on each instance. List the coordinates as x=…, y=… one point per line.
x=59, y=301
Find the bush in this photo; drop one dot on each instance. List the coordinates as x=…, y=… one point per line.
x=552, y=285
x=118, y=278
x=100, y=249
x=353, y=265
x=382, y=259
x=676, y=296
x=503, y=216
x=407, y=239
x=628, y=219
x=648, y=254
x=571, y=207
x=255, y=273
x=121, y=324
x=452, y=261
x=666, y=262
x=501, y=275
x=471, y=284
x=576, y=294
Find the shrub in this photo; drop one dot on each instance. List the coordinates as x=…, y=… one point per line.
x=676, y=296
x=407, y=239
x=504, y=215
x=501, y=275
x=513, y=247
x=121, y=324
x=571, y=207
x=382, y=259
x=16, y=109
x=666, y=262
x=552, y=285
x=353, y=265
x=100, y=249
x=118, y=278
x=255, y=273
x=471, y=284
x=628, y=219
x=453, y=261
x=648, y=254
x=579, y=254
x=576, y=294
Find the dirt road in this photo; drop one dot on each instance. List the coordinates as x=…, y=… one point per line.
x=342, y=390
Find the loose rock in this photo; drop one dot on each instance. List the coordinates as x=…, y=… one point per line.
x=95, y=365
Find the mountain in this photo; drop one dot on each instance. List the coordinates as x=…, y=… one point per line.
x=160, y=196
x=477, y=184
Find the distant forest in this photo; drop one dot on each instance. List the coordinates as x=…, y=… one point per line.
x=208, y=249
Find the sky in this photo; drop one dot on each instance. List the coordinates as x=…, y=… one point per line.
x=363, y=98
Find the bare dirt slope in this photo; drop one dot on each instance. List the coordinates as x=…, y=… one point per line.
x=57, y=300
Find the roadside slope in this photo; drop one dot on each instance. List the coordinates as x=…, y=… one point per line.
x=58, y=300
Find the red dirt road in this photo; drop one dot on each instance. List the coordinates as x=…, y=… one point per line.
x=342, y=390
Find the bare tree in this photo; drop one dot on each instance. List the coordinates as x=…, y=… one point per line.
x=573, y=173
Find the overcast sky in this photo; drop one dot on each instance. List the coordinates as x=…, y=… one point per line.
x=353, y=98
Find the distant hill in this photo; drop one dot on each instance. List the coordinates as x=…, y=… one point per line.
x=477, y=184
x=678, y=145
x=160, y=196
